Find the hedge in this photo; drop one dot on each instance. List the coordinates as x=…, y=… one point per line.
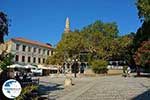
x=99, y=66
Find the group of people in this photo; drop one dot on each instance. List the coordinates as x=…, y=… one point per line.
x=25, y=76
x=74, y=67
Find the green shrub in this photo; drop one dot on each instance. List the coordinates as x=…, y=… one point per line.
x=26, y=93
x=6, y=60
x=99, y=66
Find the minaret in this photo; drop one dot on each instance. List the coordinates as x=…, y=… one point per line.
x=67, y=26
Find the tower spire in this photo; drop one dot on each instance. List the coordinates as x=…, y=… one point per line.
x=67, y=26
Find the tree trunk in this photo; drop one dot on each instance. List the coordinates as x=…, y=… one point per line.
x=138, y=70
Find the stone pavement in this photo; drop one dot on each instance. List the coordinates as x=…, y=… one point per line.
x=97, y=88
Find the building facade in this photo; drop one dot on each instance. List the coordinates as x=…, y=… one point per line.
x=29, y=52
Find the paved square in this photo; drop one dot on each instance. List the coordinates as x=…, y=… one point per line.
x=97, y=88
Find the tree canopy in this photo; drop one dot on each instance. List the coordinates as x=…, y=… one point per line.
x=142, y=55
x=141, y=50
x=143, y=7
x=3, y=26
x=102, y=42
x=99, y=39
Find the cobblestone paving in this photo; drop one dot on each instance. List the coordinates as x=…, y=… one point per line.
x=99, y=88
x=117, y=88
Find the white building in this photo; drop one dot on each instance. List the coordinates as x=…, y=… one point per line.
x=28, y=52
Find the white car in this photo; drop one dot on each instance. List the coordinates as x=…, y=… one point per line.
x=36, y=71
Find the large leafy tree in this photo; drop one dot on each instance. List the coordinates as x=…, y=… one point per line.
x=143, y=33
x=142, y=55
x=69, y=47
x=142, y=36
x=97, y=39
x=5, y=58
x=143, y=7
x=56, y=58
x=3, y=26
x=107, y=29
x=125, y=49
x=100, y=36
x=3, y=31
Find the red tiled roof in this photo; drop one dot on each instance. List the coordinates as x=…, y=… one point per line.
x=31, y=42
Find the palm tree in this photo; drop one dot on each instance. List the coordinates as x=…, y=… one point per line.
x=3, y=26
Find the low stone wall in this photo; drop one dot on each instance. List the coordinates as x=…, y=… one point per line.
x=89, y=72
x=115, y=72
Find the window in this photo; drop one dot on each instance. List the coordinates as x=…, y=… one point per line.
x=39, y=60
x=47, y=52
x=34, y=50
x=23, y=58
x=17, y=46
x=17, y=58
x=44, y=51
x=39, y=51
x=29, y=59
x=29, y=49
x=23, y=48
x=52, y=52
x=34, y=60
x=43, y=60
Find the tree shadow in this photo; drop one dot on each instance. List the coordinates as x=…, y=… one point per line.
x=45, y=90
x=45, y=82
x=147, y=75
x=144, y=96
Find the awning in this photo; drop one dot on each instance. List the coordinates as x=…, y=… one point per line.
x=30, y=66
x=15, y=66
x=42, y=67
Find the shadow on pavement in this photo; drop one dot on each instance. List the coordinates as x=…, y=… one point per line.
x=143, y=75
x=44, y=90
x=143, y=96
x=45, y=82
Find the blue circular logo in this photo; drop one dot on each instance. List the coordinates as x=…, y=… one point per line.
x=11, y=88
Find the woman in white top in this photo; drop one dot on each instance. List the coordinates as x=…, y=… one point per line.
x=128, y=71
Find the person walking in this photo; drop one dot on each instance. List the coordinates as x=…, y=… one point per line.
x=124, y=71
x=75, y=68
x=128, y=71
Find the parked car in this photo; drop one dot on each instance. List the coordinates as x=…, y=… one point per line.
x=36, y=71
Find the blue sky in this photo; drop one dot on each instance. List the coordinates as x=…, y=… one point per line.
x=44, y=20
